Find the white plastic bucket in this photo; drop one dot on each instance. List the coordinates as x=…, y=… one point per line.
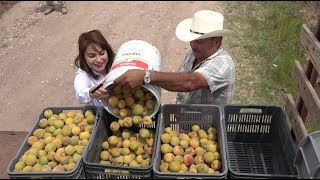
x=135, y=54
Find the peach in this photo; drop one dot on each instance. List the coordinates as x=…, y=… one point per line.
x=166, y=148
x=125, y=134
x=32, y=140
x=129, y=101
x=139, y=150
x=169, y=157
x=104, y=155
x=174, y=133
x=216, y=155
x=202, y=134
x=177, y=150
x=174, y=166
x=164, y=167
x=208, y=157
x=149, y=150
x=199, y=151
x=139, y=159
x=212, y=130
x=127, y=122
x=175, y=141
x=203, y=143
x=184, y=144
x=121, y=104
x=194, y=143
x=150, y=142
x=178, y=158
x=188, y=159
x=189, y=150
x=216, y=165
x=127, y=159
x=211, y=148
x=195, y=128
x=168, y=130
x=199, y=160
x=113, y=140
x=134, y=145
x=165, y=138
x=183, y=136
x=137, y=119
x=147, y=121
x=126, y=143
x=114, y=126
x=202, y=168
x=193, y=135
x=184, y=168
x=144, y=133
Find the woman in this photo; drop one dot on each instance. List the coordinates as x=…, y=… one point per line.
x=94, y=62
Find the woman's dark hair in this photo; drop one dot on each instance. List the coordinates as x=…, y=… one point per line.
x=93, y=37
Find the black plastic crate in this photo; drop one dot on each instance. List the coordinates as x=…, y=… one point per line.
x=307, y=160
x=259, y=143
x=77, y=173
x=95, y=170
x=181, y=118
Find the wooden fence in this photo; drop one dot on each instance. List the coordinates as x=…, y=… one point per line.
x=306, y=80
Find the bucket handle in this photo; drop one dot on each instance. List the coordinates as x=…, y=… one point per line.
x=107, y=84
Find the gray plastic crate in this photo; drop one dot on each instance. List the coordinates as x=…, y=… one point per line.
x=307, y=160
x=259, y=143
x=181, y=118
x=95, y=170
x=77, y=173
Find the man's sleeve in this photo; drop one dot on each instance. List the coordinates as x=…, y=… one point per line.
x=216, y=73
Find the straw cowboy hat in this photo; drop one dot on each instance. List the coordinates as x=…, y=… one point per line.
x=204, y=24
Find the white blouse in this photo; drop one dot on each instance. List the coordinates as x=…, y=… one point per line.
x=82, y=84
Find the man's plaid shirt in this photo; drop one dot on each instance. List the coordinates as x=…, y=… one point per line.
x=219, y=70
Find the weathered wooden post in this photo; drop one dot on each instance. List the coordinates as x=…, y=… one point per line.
x=307, y=80
x=317, y=33
x=311, y=73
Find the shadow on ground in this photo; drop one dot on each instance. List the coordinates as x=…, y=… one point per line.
x=6, y=5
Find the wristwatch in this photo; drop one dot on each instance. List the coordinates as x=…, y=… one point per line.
x=147, y=77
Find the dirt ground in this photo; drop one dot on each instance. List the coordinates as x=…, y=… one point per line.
x=37, y=50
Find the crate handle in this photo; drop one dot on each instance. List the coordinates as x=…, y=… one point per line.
x=251, y=110
x=72, y=110
x=191, y=112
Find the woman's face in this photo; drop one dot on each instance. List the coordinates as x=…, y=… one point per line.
x=96, y=58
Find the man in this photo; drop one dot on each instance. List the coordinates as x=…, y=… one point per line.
x=207, y=74
x=50, y=7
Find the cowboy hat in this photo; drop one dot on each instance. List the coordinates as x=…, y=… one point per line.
x=204, y=24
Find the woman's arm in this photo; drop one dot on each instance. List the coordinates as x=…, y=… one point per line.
x=82, y=87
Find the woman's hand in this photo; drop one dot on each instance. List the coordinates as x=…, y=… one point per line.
x=99, y=93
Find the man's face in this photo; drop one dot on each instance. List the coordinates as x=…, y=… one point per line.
x=203, y=48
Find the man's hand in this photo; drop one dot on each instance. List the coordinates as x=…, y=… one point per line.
x=132, y=77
